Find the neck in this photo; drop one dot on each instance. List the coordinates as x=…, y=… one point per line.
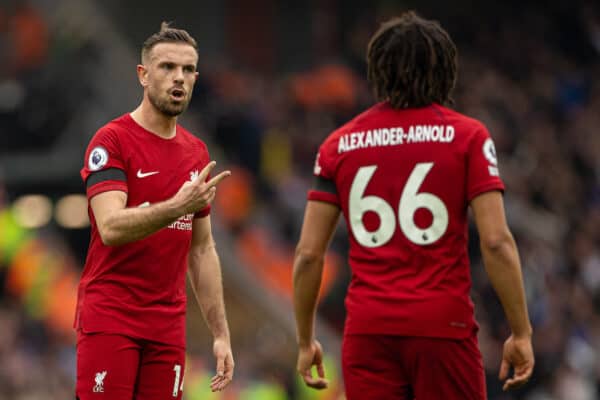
x=152, y=120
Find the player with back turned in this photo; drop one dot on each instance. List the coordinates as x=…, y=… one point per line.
x=403, y=174
x=147, y=181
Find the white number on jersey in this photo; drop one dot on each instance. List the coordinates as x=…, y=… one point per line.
x=410, y=202
x=176, y=386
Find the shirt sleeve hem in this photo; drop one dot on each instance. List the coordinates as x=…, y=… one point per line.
x=202, y=213
x=488, y=187
x=323, y=196
x=105, y=187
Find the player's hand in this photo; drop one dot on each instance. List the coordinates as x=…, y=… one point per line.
x=225, y=365
x=195, y=195
x=307, y=357
x=518, y=354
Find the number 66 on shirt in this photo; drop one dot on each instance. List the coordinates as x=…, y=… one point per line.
x=403, y=180
x=410, y=202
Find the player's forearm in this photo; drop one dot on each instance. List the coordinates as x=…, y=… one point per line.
x=502, y=264
x=131, y=224
x=205, y=277
x=307, y=281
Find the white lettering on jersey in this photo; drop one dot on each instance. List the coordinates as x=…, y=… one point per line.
x=394, y=136
x=184, y=223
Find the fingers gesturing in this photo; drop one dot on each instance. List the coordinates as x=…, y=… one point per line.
x=196, y=194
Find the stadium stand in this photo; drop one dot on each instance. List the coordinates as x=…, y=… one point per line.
x=529, y=72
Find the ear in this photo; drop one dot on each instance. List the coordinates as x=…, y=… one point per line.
x=142, y=74
x=196, y=74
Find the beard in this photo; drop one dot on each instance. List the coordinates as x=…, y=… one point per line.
x=168, y=107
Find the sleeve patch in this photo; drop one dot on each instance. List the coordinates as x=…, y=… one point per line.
x=317, y=169
x=98, y=158
x=489, y=151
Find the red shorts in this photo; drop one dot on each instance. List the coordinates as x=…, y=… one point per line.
x=118, y=367
x=407, y=368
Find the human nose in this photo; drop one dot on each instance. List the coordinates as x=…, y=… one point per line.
x=178, y=75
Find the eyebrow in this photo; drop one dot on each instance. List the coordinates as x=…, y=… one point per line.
x=163, y=62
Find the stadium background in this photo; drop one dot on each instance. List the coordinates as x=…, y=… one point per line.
x=275, y=79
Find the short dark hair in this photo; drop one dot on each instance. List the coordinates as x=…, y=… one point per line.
x=412, y=62
x=167, y=35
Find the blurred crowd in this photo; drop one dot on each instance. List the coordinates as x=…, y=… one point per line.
x=38, y=95
x=534, y=80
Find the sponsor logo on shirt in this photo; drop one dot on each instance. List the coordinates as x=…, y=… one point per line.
x=141, y=174
x=184, y=223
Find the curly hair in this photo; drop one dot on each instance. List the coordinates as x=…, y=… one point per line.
x=412, y=62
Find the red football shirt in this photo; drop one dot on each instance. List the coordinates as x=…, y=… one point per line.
x=138, y=289
x=403, y=180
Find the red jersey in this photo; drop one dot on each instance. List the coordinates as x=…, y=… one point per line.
x=138, y=289
x=403, y=180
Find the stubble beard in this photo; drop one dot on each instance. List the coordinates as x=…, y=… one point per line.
x=168, y=107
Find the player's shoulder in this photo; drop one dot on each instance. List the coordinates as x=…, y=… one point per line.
x=351, y=126
x=113, y=128
x=460, y=121
x=110, y=135
x=189, y=139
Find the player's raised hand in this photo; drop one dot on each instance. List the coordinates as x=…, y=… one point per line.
x=215, y=180
x=225, y=365
x=307, y=357
x=197, y=194
x=517, y=353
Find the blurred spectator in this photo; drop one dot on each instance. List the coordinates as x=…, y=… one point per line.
x=532, y=78
x=29, y=37
x=540, y=104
